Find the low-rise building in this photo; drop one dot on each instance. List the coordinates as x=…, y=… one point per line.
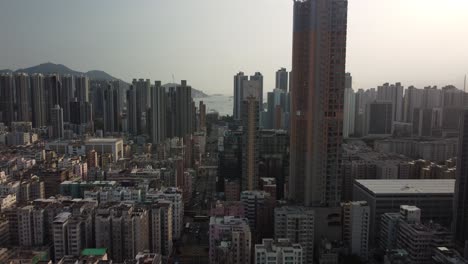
x=433, y=197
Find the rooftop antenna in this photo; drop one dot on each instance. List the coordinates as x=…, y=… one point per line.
x=173, y=79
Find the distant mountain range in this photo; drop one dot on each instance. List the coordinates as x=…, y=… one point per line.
x=48, y=68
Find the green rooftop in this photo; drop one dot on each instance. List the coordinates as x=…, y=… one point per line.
x=94, y=252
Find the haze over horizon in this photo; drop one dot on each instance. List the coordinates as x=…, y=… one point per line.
x=206, y=42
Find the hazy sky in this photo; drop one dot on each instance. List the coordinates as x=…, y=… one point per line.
x=420, y=42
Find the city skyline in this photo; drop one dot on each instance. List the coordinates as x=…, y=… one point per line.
x=145, y=47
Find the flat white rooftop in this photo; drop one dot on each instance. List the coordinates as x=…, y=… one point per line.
x=102, y=140
x=410, y=187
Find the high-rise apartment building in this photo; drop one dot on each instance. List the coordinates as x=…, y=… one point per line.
x=22, y=98
x=158, y=113
x=379, y=118
x=250, y=150
x=202, y=116
x=277, y=108
x=82, y=88
x=282, y=80
x=143, y=102
x=67, y=95
x=349, y=112
x=60, y=236
x=132, y=123
x=38, y=105
x=413, y=99
x=230, y=240
x=174, y=195
x=258, y=78
x=56, y=121
x=356, y=223
x=53, y=88
x=253, y=201
x=243, y=87
x=392, y=93
x=317, y=97
x=7, y=99
x=362, y=99
x=431, y=97
x=31, y=226
x=180, y=111
x=160, y=218
x=111, y=99
x=298, y=225
x=238, y=82
x=460, y=208
x=348, y=80
x=122, y=229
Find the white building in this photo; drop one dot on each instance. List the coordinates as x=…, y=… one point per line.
x=297, y=224
x=356, y=221
x=112, y=146
x=278, y=252
x=174, y=195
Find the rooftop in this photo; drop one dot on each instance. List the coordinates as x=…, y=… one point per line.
x=103, y=140
x=408, y=187
x=94, y=252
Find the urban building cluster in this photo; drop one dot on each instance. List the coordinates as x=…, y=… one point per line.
x=99, y=171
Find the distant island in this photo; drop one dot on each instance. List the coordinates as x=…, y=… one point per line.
x=50, y=68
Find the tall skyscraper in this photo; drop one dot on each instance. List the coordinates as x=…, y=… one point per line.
x=349, y=112
x=7, y=98
x=82, y=88
x=22, y=97
x=379, y=116
x=158, y=113
x=202, y=116
x=460, y=209
x=143, y=102
x=56, y=120
x=282, y=79
x=38, y=101
x=362, y=99
x=111, y=100
x=238, y=82
x=250, y=138
x=258, y=78
x=348, y=80
x=412, y=100
x=184, y=109
x=319, y=55
x=180, y=111
x=53, y=89
x=132, y=124
x=392, y=93
x=67, y=95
